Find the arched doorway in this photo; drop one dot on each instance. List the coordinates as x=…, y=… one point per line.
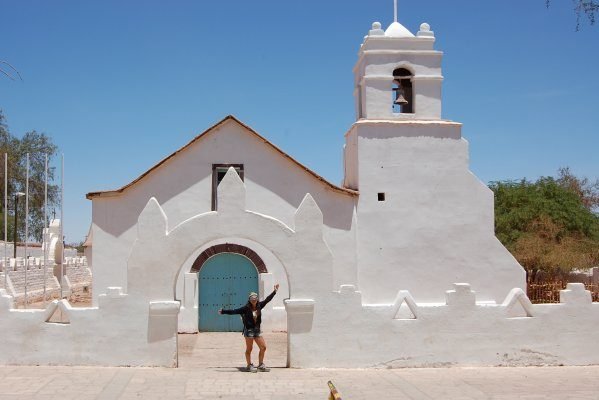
x=226, y=274
x=224, y=281
x=214, y=349
x=187, y=285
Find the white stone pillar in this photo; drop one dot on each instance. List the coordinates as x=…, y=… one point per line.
x=190, y=290
x=265, y=285
x=188, y=316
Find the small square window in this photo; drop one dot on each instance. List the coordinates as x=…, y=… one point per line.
x=381, y=196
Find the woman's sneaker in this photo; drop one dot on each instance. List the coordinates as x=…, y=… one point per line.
x=262, y=368
x=251, y=368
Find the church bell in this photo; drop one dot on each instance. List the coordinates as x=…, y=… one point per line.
x=399, y=99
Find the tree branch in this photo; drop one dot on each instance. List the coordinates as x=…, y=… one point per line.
x=11, y=67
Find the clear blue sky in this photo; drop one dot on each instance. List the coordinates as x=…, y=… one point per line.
x=119, y=85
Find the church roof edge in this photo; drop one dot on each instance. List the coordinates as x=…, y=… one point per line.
x=110, y=193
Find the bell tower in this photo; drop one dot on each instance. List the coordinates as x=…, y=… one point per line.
x=424, y=221
x=398, y=75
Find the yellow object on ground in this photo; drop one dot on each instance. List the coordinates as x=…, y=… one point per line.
x=334, y=393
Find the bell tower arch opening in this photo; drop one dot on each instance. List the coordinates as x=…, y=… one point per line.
x=403, y=101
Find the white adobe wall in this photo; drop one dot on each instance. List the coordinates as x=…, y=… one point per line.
x=159, y=249
x=436, y=225
x=457, y=331
x=275, y=187
x=139, y=328
x=123, y=331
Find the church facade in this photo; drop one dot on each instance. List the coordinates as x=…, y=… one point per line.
x=408, y=215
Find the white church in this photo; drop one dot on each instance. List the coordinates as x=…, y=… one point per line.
x=403, y=251
x=409, y=213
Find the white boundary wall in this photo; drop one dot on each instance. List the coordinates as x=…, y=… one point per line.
x=327, y=328
x=458, y=332
x=122, y=331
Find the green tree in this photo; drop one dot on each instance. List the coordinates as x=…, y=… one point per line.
x=549, y=225
x=587, y=190
x=37, y=145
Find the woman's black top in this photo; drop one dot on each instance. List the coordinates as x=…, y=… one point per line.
x=246, y=312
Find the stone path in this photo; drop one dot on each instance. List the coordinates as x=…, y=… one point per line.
x=209, y=369
x=226, y=350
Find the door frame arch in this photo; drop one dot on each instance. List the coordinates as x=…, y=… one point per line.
x=229, y=248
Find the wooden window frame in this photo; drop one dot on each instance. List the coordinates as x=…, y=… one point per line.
x=215, y=169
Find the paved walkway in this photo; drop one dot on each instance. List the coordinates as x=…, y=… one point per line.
x=209, y=369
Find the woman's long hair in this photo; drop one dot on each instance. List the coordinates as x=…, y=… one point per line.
x=258, y=309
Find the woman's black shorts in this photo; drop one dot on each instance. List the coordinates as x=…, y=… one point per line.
x=252, y=333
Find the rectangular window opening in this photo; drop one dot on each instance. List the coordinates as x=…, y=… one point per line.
x=381, y=196
x=218, y=173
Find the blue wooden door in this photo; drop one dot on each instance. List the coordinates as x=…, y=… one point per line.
x=225, y=280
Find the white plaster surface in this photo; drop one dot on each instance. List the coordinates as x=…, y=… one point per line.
x=139, y=328
x=118, y=332
x=379, y=56
x=459, y=333
x=398, y=30
x=275, y=187
x=160, y=251
x=154, y=249
x=436, y=225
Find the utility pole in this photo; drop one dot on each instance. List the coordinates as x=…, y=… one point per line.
x=17, y=195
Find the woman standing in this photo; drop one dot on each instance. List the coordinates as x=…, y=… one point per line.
x=251, y=315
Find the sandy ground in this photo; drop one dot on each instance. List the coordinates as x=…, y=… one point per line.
x=227, y=350
x=79, y=298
